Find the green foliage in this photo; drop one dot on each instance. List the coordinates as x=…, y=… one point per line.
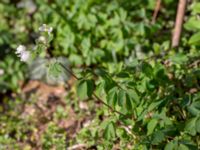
x=193, y=24
x=53, y=139
x=85, y=88
x=49, y=70
x=12, y=74
x=119, y=57
x=109, y=133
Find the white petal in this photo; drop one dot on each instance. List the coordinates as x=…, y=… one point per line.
x=20, y=49
x=43, y=28
x=42, y=39
x=25, y=56
x=50, y=30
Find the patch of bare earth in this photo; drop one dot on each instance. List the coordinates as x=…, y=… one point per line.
x=46, y=100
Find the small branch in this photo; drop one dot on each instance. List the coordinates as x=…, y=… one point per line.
x=113, y=110
x=105, y=103
x=179, y=22
x=128, y=130
x=68, y=70
x=156, y=10
x=77, y=146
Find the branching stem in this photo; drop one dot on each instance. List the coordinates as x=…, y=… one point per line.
x=94, y=95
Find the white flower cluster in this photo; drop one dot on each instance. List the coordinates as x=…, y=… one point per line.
x=45, y=28
x=23, y=53
x=21, y=49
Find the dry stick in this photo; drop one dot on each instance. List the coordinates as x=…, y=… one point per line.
x=77, y=146
x=179, y=23
x=156, y=10
x=98, y=98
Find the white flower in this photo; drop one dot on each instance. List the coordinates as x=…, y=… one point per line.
x=50, y=29
x=23, y=53
x=45, y=28
x=20, y=49
x=1, y=72
x=42, y=39
x=25, y=56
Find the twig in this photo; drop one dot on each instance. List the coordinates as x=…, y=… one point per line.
x=179, y=23
x=113, y=110
x=68, y=70
x=156, y=10
x=77, y=146
x=128, y=130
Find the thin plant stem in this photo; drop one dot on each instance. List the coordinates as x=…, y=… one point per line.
x=94, y=95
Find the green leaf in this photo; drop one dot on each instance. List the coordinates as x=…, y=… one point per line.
x=147, y=69
x=129, y=105
x=179, y=58
x=55, y=69
x=109, y=132
x=194, y=108
x=112, y=97
x=190, y=126
x=183, y=147
x=151, y=126
x=192, y=24
x=85, y=44
x=153, y=105
x=101, y=72
x=156, y=48
x=121, y=97
x=169, y=146
x=195, y=39
x=198, y=125
x=109, y=84
x=158, y=137
x=76, y=59
x=123, y=75
x=85, y=88
x=38, y=69
x=82, y=89
x=133, y=95
x=196, y=8
x=90, y=87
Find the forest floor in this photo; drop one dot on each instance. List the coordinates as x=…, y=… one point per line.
x=41, y=105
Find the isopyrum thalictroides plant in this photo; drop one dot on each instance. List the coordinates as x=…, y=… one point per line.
x=147, y=104
x=42, y=43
